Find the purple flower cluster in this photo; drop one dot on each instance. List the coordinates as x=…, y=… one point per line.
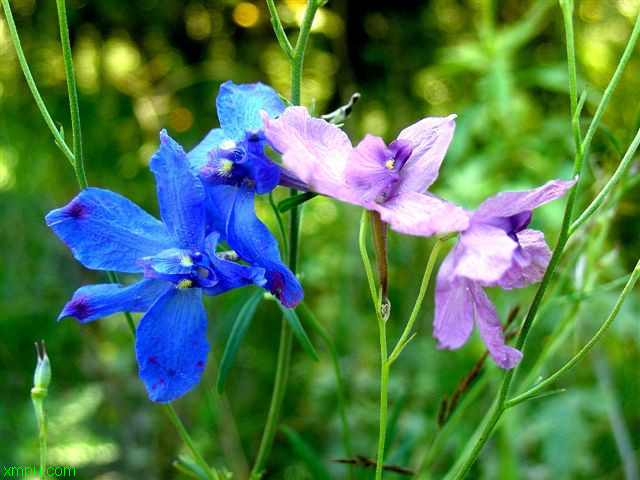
x=494, y=247
x=206, y=198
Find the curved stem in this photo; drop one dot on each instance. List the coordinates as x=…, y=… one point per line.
x=186, y=438
x=78, y=164
x=283, y=40
x=32, y=84
x=402, y=342
x=583, y=351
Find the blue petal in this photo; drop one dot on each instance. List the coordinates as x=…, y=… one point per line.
x=219, y=202
x=180, y=195
x=230, y=275
x=239, y=107
x=106, y=231
x=263, y=171
x=171, y=344
x=253, y=241
x=199, y=155
x=97, y=301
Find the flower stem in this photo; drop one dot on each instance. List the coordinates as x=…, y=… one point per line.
x=296, y=59
x=583, y=351
x=186, y=438
x=402, y=342
x=78, y=164
x=499, y=404
x=379, y=236
x=32, y=84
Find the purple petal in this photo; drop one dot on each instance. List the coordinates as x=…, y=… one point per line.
x=96, y=301
x=506, y=204
x=486, y=254
x=239, y=107
x=180, y=195
x=453, y=320
x=491, y=330
x=171, y=344
x=430, y=137
x=535, y=255
x=424, y=215
x=314, y=150
x=366, y=171
x=199, y=155
x=106, y=231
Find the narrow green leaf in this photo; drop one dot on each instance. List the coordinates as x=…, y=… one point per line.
x=306, y=453
x=291, y=202
x=189, y=467
x=298, y=330
x=235, y=338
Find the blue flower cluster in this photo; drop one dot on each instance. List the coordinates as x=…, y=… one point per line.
x=205, y=198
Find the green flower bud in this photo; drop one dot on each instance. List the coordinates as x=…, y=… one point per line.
x=42, y=374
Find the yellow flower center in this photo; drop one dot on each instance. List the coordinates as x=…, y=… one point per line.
x=389, y=164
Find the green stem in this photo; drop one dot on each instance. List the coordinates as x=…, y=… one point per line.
x=499, y=406
x=284, y=351
x=578, y=356
x=67, y=56
x=42, y=439
x=333, y=352
x=402, y=342
x=280, y=383
x=186, y=438
x=622, y=168
x=283, y=40
x=32, y=84
x=384, y=359
x=567, y=13
x=280, y=223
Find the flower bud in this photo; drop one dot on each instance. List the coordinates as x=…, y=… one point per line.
x=42, y=374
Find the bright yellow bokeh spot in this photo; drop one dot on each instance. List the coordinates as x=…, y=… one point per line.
x=246, y=14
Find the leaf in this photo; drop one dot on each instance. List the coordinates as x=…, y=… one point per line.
x=291, y=202
x=235, y=338
x=306, y=453
x=189, y=467
x=298, y=330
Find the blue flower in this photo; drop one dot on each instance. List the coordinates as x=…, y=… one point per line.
x=233, y=165
x=106, y=231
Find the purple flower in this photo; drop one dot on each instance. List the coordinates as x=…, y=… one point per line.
x=233, y=166
x=496, y=250
x=106, y=231
x=391, y=180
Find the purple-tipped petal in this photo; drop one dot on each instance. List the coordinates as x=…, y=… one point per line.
x=180, y=195
x=199, y=155
x=369, y=171
x=171, y=344
x=491, y=330
x=453, y=320
x=486, y=253
x=96, y=301
x=106, y=231
x=239, y=107
x=430, y=138
x=424, y=215
x=314, y=150
x=535, y=254
x=506, y=204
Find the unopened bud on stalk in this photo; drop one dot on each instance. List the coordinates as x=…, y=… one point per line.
x=42, y=374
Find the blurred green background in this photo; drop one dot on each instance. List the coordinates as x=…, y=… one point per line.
x=500, y=66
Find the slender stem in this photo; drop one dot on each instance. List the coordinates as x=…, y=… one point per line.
x=298, y=54
x=184, y=435
x=333, y=352
x=384, y=359
x=499, y=406
x=567, y=13
x=32, y=84
x=280, y=383
x=280, y=223
x=42, y=439
x=402, y=342
x=384, y=382
x=622, y=168
x=78, y=164
x=583, y=351
x=283, y=40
